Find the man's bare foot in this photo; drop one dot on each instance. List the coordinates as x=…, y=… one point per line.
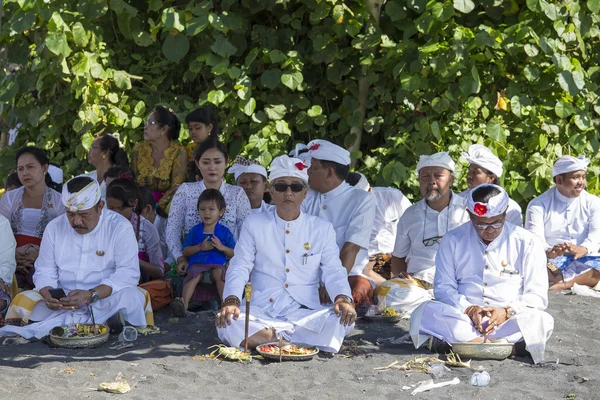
x=261, y=337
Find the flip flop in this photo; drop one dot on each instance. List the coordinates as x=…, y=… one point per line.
x=178, y=308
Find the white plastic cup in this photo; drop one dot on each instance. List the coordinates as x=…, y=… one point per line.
x=480, y=379
x=128, y=334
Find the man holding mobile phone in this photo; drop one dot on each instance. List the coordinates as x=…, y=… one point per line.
x=88, y=258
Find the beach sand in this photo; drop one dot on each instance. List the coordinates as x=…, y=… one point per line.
x=163, y=366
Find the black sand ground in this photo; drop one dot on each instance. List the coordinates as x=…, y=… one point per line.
x=163, y=366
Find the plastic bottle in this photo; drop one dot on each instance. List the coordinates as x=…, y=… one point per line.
x=480, y=379
x=438, y=369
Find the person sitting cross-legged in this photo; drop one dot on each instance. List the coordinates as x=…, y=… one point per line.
x=489, y=281
x=90, y=253
x=285, y=253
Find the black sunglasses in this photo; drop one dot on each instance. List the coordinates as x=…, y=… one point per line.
x=283, y=187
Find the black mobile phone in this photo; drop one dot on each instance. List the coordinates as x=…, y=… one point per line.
x=57, y=293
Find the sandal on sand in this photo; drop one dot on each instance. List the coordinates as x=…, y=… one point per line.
x=178, y=308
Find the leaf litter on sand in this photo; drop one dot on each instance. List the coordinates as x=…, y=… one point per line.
x=68, y=370
x=119, y=386
x=421, y=364
x=149, y=330
x=230, y=353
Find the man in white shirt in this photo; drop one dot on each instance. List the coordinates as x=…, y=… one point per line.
x=566, y=218
x=489, y=282
x=391, y=204
x=485, y=167
x=423, y=225
x=91, y=254
x=8, y=264
x=350, y=210
x=285, y=253
x=252, y=177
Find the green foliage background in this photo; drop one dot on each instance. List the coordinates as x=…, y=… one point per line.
x=521, y=77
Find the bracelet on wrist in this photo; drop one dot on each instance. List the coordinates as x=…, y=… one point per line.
x=231, y=301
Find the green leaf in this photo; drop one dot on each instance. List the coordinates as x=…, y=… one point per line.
x=571, y=82
x=495, y=131
x=594, y=6
x=271, y=78
x=142, y=39
x=171, y=19
x=531, y=50
x=315, y=111
x=197, y=25
x=86, y=141
x=8, y=92
x=464, y=6
x=113, y=98
x=550, y=10
x=136, y=122
x=410, y=83
x=23, y=21
x=57, y=44
x=395, y=173
x=248, y=106
x=292, y=80
x=276, y=112
x=222, y=46
x=282, y=127
x=79, y=35
x=154, y=5
x=277, y=56
x=395, y=11
x=92, y=9
x=435, y=130
x=140, y=108
x=216, y=97
x=175, y=47
x=417, y=5
x=563, y=109
x=122, y=80
x=119, y=6
x=470, y=84
x=531, y=73
x=583, y=121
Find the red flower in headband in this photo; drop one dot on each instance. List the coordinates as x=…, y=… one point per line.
x=480, y=209
x=300, y=165
x=314, y=146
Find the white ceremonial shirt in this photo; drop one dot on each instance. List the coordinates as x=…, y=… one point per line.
x=108, y=255
x=391, y=204
x=510, y=271
x=285, y=261
x=514, y=214
x=352, y=213
x=263, y=207
x=557, y=219
x=183, y=214
x=420, y=222
x=8, y=264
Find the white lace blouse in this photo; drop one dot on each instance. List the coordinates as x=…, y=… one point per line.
x=183, y=214
x=29, y=221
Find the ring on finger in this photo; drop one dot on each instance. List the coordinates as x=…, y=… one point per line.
x=218, y=315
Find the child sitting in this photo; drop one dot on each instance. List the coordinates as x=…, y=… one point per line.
x=208, y=247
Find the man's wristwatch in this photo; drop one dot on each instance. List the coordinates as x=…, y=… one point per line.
x=94, y=296
x=510, y=312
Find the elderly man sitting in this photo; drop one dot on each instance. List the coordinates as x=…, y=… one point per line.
x=566, y=218
x=490, y=281
x=89, y=253
x=285, y=253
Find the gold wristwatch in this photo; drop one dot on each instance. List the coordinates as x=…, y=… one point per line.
x=510, y=312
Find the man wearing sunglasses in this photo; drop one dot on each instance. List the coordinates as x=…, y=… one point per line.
x=350, y=210
x=566, y=218
x=421, y=228
x=286, y=253
x=490, y=283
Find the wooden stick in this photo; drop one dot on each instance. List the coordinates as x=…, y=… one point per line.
x=248, y=294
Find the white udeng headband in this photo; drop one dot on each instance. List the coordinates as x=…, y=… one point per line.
x=243, y=166
x=495, y=206
x=85, y=199
x=288, y=166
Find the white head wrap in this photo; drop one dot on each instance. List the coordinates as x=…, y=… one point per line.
x=243, y=166
x=482, y=156
x=363, y=183
x=85, y=199
x=297, y=149
x=495, y=206
x=56, y=174
x=567, y=164
x=441, y=159
x=287, y=166
x=324, y=150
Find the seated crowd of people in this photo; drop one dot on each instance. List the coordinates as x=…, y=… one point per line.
x=319, y=245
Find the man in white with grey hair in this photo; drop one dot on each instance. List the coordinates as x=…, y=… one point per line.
x=285, y=253
x=489, y=283
x=566, y=218
x=88, y=259
x=422, y=227
x=486, y=167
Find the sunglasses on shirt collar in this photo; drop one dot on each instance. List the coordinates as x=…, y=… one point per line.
x=283, y=187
